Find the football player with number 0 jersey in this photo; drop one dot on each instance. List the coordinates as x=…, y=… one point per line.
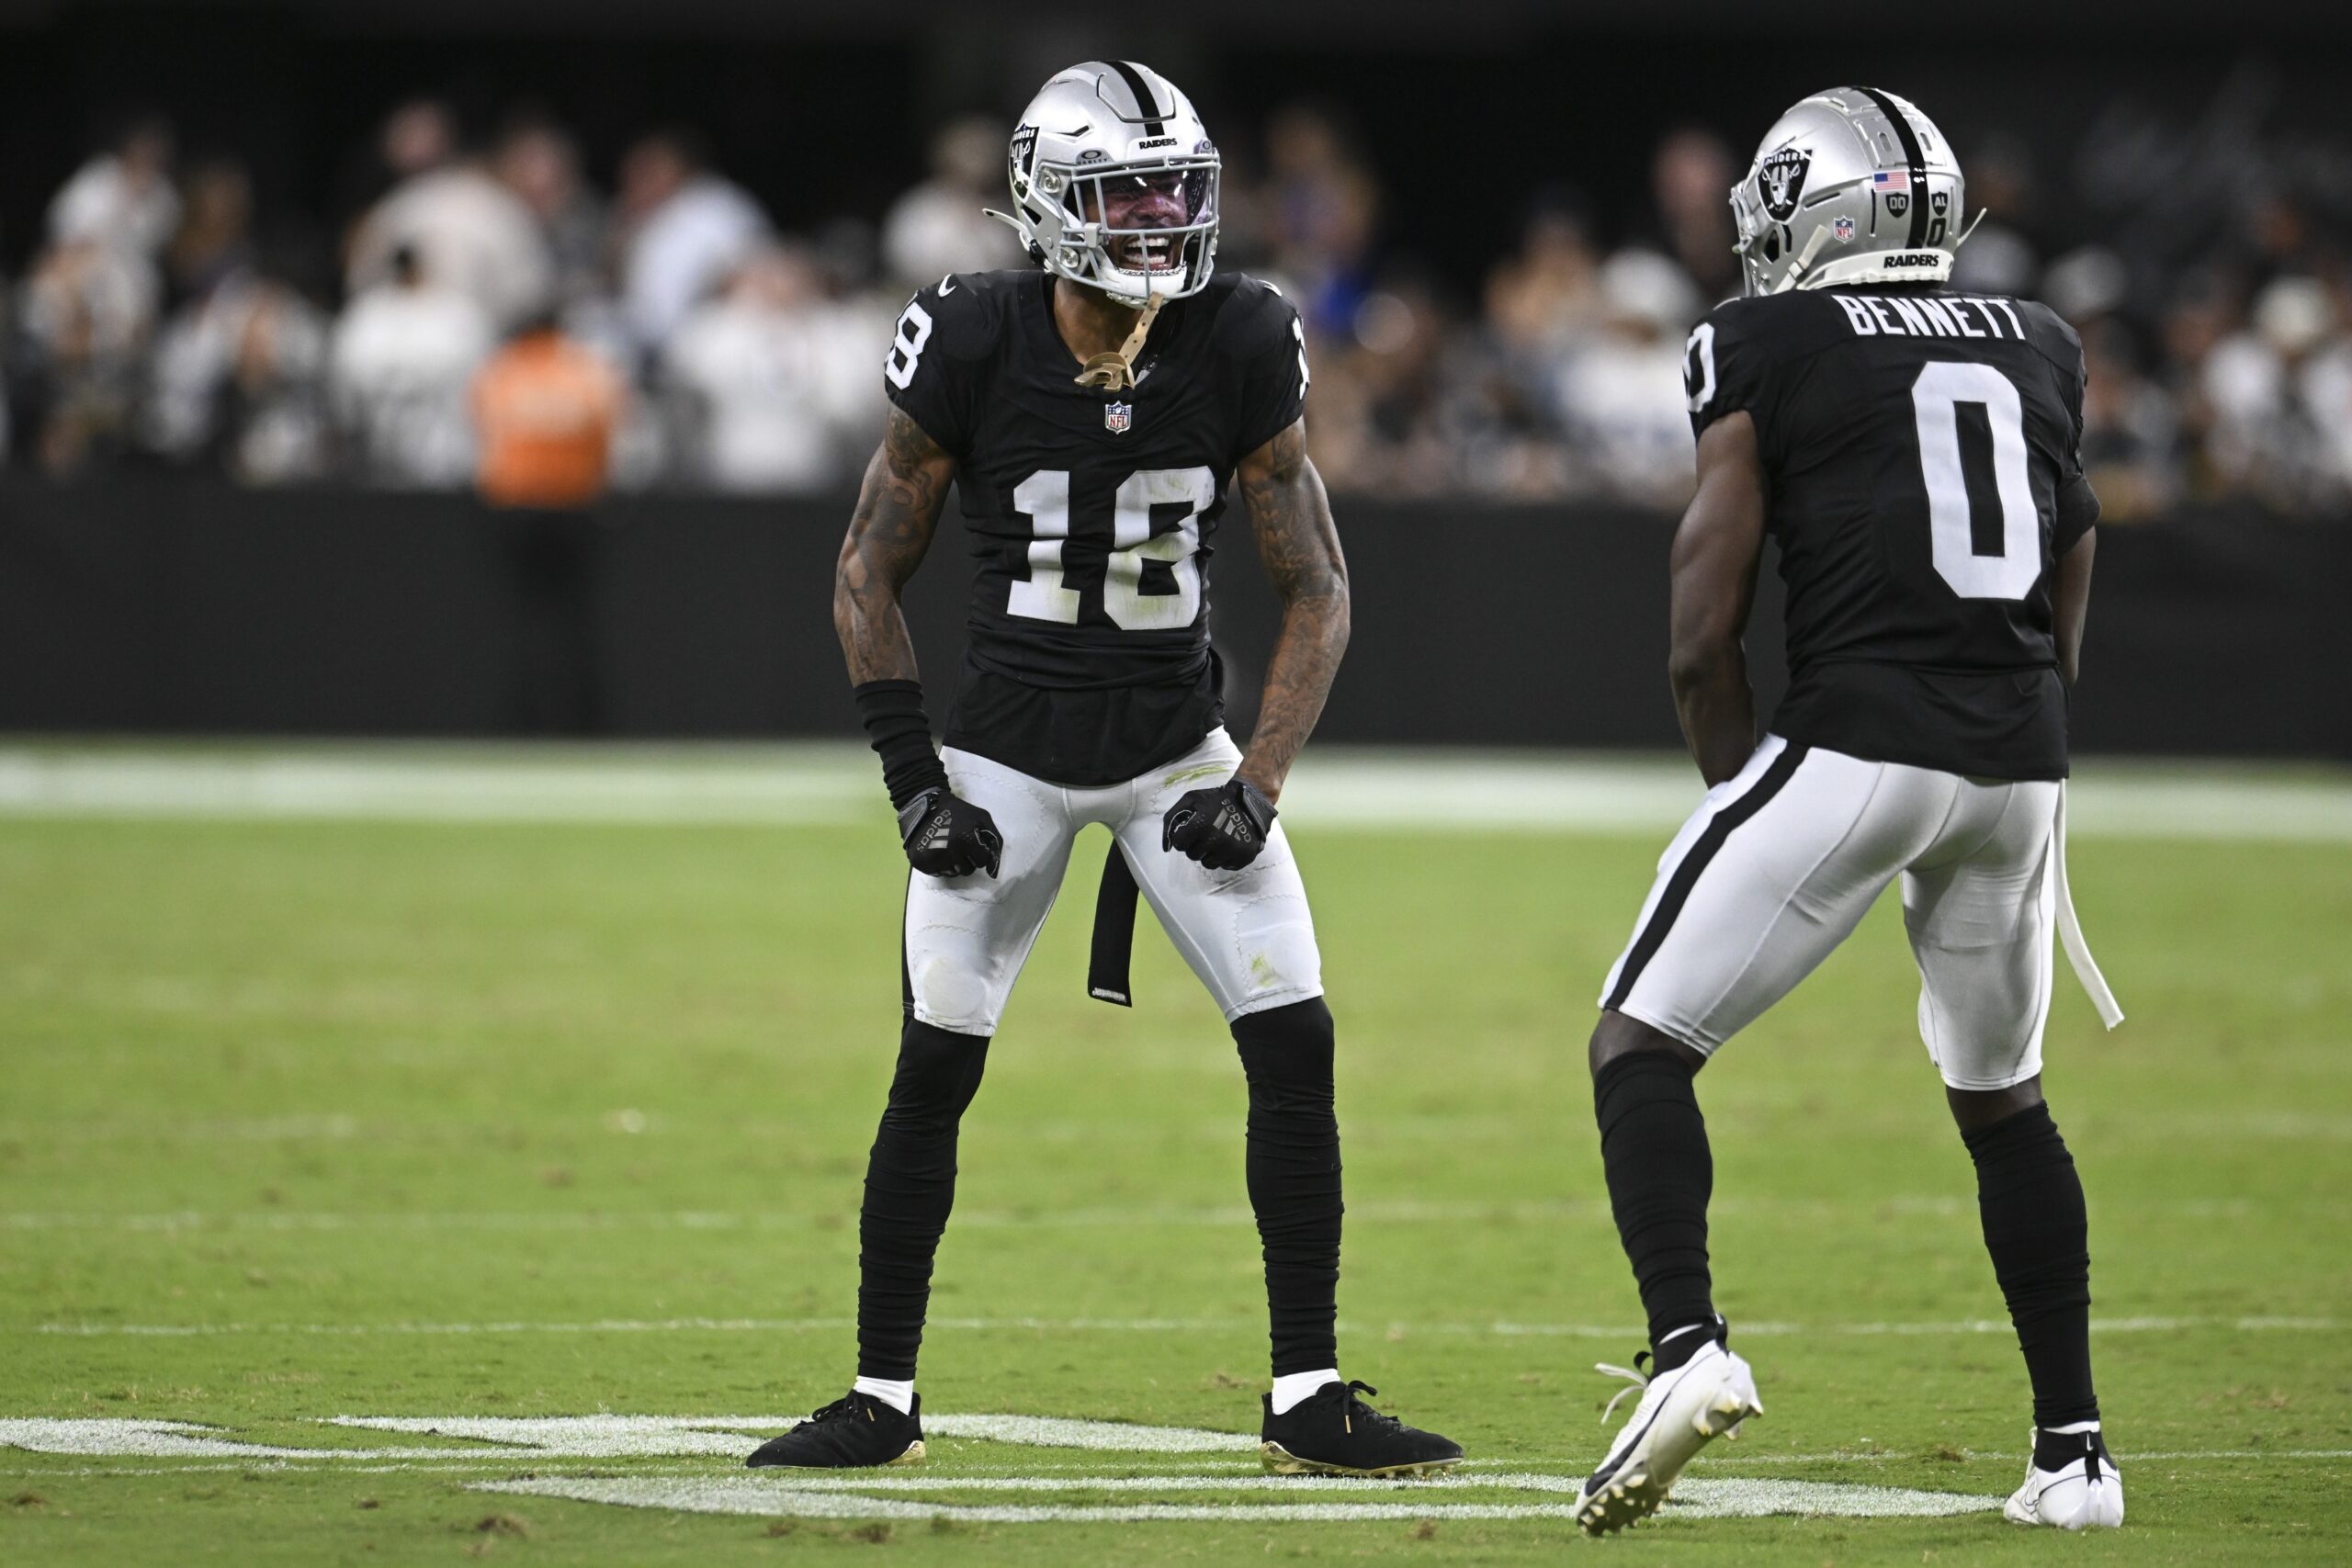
x=1916, y=455
x=1092, y=415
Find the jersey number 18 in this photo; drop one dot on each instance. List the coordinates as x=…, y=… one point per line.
x=1155, y=516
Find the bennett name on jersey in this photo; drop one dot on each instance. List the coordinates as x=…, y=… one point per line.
x=1092, y=413
x=1924, y=457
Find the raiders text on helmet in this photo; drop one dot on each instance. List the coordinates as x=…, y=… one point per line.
x=1097, y=133
x=1851, y=185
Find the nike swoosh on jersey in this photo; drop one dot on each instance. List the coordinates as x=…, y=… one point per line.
x=948, y=284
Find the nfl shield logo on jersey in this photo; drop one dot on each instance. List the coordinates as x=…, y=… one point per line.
x=1116, y=417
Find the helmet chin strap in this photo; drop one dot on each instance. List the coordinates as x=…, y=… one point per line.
x=1804, y=259
x=1115, y=370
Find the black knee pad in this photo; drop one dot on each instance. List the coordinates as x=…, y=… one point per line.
x=1287, y=1054
x=938, y=1074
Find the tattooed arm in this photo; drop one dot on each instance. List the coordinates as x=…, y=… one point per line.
x=1291, y=514
x=898, y=509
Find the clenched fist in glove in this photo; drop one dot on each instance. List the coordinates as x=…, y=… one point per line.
x=946, y=834
x=1224, y=828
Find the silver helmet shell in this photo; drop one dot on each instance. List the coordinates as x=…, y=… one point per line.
x=1851, y=185
x=1090, y=126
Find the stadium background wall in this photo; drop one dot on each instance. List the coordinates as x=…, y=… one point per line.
x=172, y=609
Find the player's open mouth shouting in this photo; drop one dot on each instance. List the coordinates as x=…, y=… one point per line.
x=1133, y=207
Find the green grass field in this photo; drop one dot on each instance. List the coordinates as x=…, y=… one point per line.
x=507, y=1121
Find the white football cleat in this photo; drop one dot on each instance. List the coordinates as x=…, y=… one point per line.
x=1680, y=1412
x=2083, y=1491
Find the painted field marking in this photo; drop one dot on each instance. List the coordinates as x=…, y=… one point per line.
x=613, y=1437
x=504, y=1439
x=1691, y=1499
x=474, y=1463
x=2153, y=1324
x=727, y=1438
x=674, y=1455
x=829, y=784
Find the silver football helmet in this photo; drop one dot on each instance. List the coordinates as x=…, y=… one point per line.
x=1097, y=142
x=1851, y=185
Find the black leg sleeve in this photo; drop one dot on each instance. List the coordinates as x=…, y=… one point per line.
x=1661, y=1173
x=909, y=1187
x=1293, y=1167
x=2030, y=1202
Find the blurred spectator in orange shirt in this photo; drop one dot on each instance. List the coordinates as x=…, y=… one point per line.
x=545, y=411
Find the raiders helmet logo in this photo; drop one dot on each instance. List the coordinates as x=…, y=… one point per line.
x=1780, y=179
x=1024, y=150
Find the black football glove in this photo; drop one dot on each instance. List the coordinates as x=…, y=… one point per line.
x=1223, y=829
x=946, y=834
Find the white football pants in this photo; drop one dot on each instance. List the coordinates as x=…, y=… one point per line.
x=1779, y=864
x=1247, y=933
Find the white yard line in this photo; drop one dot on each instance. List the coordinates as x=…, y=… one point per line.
x=757, y=1495
x=1504, y=1329
x=473, y=1463
x=835, y=784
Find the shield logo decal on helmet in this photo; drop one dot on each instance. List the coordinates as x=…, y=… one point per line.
x=1781, y=180
x=1844, y=229
x=1117, y=417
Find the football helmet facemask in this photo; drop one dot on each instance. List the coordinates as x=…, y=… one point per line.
x=1114, y=184
x=1851, y=185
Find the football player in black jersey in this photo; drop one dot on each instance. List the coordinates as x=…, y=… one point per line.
x=1915, y=453
x=1092, y=414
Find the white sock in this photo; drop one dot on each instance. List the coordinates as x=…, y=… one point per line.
x=2069, y=1431
x=899, y=1397
x=1292, y=1387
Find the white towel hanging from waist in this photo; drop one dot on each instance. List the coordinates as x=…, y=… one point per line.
x=2070, y=930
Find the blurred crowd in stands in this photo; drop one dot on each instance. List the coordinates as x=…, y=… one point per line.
x=492, y=317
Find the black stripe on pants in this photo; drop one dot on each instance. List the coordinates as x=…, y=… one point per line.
x=1685, y=875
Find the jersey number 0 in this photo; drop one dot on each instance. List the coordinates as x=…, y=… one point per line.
x=1155, y=516
x=1937, y=396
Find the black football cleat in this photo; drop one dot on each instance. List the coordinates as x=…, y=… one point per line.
x=854, y=1431
x=1331, y=1432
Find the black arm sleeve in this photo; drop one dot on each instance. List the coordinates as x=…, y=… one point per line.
x=892, y=714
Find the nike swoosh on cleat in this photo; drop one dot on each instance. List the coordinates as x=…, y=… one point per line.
x=1602, y=1477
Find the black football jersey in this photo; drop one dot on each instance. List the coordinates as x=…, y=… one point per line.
x=1922, y=452
x=1093, y=514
